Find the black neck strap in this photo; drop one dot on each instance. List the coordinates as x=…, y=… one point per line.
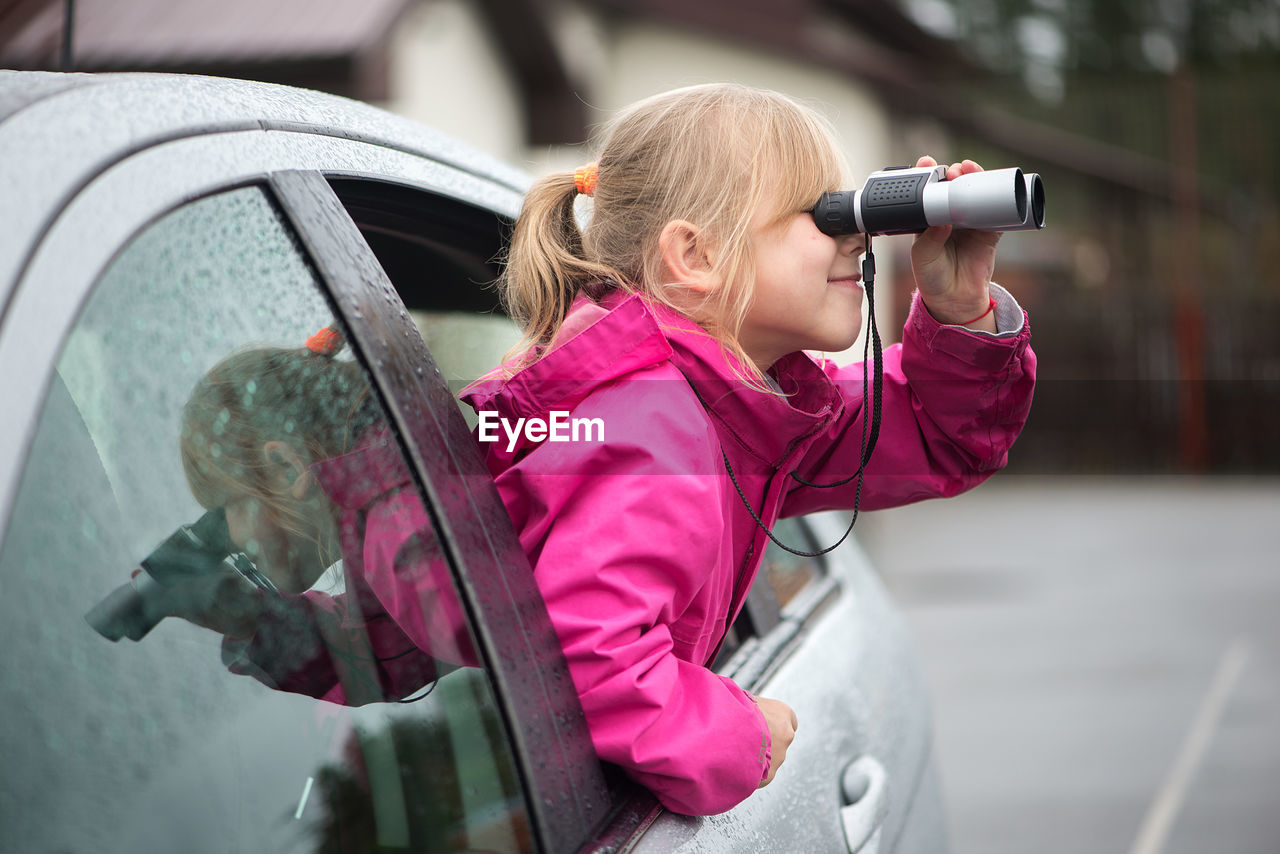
x=870, y=427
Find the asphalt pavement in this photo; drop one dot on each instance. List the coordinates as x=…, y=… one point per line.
x=1104, y=658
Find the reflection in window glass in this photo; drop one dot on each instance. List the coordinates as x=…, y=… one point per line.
x=291, y=669
x=788, y=573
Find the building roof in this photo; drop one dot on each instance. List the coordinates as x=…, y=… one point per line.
x=340, y=46
x=295, y=37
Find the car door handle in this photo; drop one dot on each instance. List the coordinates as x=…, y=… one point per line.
x=865, y=787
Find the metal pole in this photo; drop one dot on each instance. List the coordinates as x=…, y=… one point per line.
x=68, y=36
x=1193, y=428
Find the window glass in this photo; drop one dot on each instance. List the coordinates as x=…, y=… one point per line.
x=784, y=572
x=466, y=346
x=291, y=671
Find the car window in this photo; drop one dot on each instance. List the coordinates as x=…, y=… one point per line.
x=441, y=256
x=190, y=429
x=466, y=345
x=782, y=576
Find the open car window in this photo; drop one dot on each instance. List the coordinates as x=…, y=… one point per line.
x=442, y=257
x=352, y=714
x=448, y=285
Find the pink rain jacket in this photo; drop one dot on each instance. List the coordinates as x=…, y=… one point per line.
x=642, y=546
x=398, y=623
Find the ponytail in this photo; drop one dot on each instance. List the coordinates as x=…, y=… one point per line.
x=546, y=265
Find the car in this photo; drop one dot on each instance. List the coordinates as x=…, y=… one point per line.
x=152, y=224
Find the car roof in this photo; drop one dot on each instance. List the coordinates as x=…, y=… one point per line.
x=173, y=105
x=59, y=131
x=19, y=89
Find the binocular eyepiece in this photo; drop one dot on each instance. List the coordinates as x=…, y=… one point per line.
x=907, y=200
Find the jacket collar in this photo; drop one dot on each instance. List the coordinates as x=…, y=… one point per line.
x=357, y=479
x=624, y=333
x=601, y=342
x=764, y=423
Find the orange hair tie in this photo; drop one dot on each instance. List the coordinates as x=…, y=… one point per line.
x=586, y=178
x=326, y=342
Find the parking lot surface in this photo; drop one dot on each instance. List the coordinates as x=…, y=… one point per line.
x=1104, y=657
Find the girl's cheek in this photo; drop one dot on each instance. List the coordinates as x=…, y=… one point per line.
x=240, y=525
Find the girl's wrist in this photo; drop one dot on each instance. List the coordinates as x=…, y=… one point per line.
x=990, y=310
x=968, y=314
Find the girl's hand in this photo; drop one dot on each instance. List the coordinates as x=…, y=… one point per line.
x=781, y=720
x=222, y=601
x=954, y=266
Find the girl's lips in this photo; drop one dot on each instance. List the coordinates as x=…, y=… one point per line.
x=855, y=279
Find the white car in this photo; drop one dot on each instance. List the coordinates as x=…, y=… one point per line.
x=152, y=224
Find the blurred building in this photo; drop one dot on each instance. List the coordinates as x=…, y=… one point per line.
x=523, y=79
x=514, y=77
x=1127, y=344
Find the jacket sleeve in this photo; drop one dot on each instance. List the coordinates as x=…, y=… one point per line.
x=410, y=582
x=624, y=535
x=393, y=630
x=953, y=403
x=309, y=644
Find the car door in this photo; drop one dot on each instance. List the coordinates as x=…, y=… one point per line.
x=821, y=634
x=147, y=267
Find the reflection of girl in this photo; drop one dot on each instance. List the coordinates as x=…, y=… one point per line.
x=677, y=318
x=292, y=444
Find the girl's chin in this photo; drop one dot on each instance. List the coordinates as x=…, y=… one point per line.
x=837, y=343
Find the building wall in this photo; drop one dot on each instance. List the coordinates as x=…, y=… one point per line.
x=447, y=71
x=647, y=58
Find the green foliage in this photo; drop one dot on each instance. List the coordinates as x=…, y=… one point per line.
x=1071, y=37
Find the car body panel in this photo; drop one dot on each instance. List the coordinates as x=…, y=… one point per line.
x=878, y=713
x=122, y=150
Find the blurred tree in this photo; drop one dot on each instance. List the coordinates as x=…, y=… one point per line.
x=1171, y=289
x=1103, y=68
x=1072, y=36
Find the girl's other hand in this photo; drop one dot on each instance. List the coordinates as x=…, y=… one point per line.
x=954, y=266
x=222, y=601
x=781, y=720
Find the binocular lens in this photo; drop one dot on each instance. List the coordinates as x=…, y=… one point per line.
x=909, y=200
x=1037, y=200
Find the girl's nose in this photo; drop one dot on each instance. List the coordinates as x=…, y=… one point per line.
x=852, y=244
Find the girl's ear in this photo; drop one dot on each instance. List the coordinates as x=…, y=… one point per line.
x=687, y=254
x=292, y=467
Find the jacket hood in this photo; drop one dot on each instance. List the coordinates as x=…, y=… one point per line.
x=624, y=334
x=601, y=343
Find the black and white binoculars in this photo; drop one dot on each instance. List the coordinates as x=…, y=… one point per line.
x=907, y=200
x=187, y=555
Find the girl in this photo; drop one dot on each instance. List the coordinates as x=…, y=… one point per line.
x=676, y=319
x=292, y=445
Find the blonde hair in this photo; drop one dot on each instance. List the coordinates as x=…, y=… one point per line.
x=317, y=404
x=710, y=154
